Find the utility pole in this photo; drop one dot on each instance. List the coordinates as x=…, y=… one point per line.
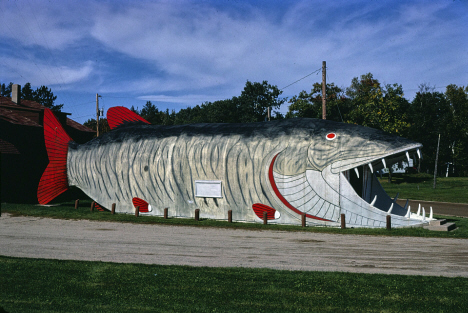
x=97, y=115
x=324, y=90
x=437, y=159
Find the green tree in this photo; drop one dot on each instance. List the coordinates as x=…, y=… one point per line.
x=429, y=115
x=103, y=125
x=191, y=115
x=135, y=110
x=310, y=104
x=151, y=113
x=458, y=128
x=169, y=118
x=378, y=107
x=6, y=90
x=251, y=106
x=26, y=92
x=45, y=96
x=253, y=103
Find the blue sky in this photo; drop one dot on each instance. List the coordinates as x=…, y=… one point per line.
x=183, y=53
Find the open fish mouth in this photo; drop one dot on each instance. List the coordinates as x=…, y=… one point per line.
x=347, y=187
x=360, y=175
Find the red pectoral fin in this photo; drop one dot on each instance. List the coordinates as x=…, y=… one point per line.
x=260, y=208
x=144, y=206
x=117, y=116
x=98, y=207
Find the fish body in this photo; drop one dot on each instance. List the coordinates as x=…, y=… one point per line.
x=287, y=168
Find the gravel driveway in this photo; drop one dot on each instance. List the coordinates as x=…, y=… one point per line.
x=33, y=237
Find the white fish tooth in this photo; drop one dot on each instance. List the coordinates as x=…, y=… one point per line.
x=419, y=153
x=357, y=172
x=423, y=214
x=431, y=215
x=419, y=210
x=407, y=156
x=390, y=210
x=371, y=169
x=408, y=214
x=373, y=201
x=384, y=163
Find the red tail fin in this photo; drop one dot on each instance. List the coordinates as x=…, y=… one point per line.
x=54, y=179
x=117, y=116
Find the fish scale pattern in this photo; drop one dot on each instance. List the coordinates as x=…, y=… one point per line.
x=277, y=165
x=163, y=171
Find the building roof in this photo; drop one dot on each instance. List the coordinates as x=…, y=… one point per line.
x=17, y=114
x=11, y=115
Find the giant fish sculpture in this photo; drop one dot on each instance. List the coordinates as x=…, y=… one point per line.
x=287, y=168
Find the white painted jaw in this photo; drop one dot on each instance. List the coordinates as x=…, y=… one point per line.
x=350, y=188
x=377, y=162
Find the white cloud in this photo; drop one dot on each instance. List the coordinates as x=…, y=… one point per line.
x=197, y=46
x=48, y=25
x=39, y=74
x=201, y=45
x=191, y=52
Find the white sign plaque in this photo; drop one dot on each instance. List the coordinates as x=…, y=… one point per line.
x=208, y=189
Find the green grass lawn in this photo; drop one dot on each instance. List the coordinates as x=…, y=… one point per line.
x=37, y=285
x=420, y=187
x=67, y=211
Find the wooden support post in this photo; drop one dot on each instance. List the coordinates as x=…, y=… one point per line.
x=265, y=217
x=389, y=222
x=343, y=221
x=435, y=166
x=165, y=213
x=303, y=220
x=92, y=206
x=324, y=90
x=230, y=216
x=77, y=203
x=197, y=214
x=113, y=208
x=137, y=211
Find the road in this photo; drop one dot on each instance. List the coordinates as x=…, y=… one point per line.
x=33, y=237
x=441, y=208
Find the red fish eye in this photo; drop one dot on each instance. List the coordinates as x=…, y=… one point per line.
x=331, y=136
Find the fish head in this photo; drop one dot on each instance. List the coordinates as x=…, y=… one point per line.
x=346, y=146
x=338, y=158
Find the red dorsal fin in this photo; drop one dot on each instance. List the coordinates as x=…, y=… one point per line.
x=144, y=206
x=117, y=116
x=54, y=179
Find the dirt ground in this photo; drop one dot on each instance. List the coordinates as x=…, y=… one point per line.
x=33, y=237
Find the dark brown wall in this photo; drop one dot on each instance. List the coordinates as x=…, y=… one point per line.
x=20, y=173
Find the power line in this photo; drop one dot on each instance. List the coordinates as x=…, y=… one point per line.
x=75, y=105
x=301, y=78
x=120, y=97
x=85, y=115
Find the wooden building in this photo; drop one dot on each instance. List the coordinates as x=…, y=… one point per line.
x=22, y=147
